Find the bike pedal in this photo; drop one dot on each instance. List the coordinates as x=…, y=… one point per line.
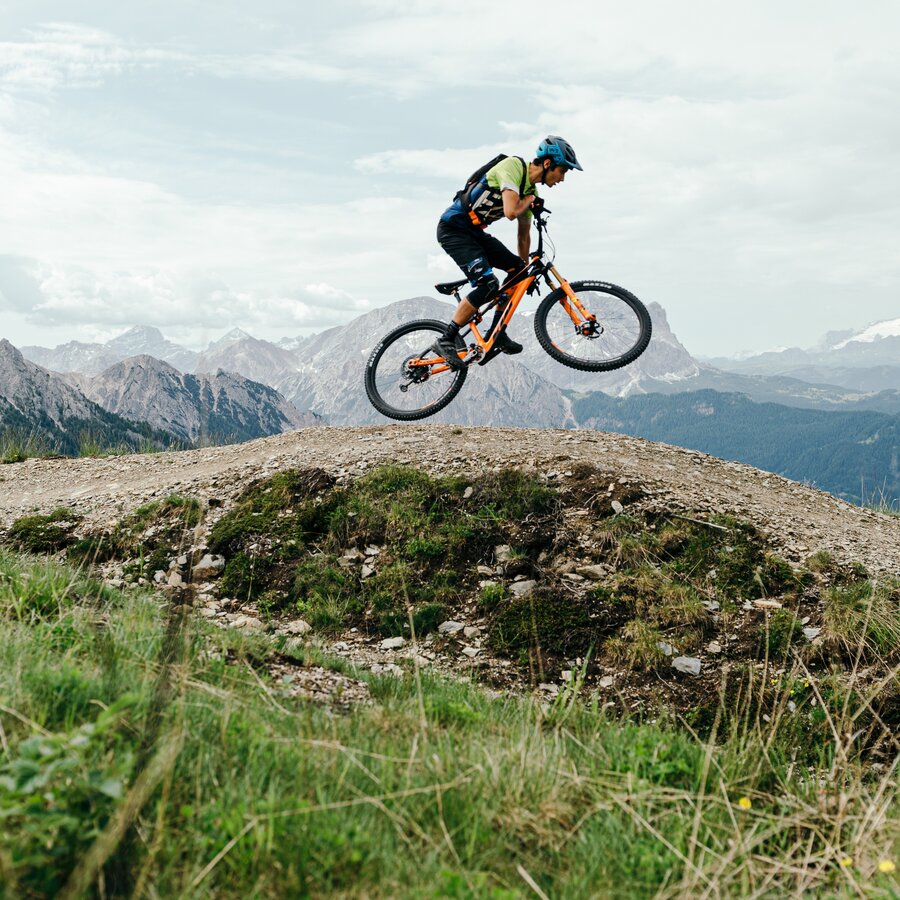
x=494, y=351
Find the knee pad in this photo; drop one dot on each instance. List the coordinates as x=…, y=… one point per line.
x=484, y=287
x=476, y=270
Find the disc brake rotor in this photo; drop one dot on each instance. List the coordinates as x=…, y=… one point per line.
x=590, y=328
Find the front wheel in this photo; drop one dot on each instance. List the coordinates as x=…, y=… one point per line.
x=406, y=379
x=610, y=329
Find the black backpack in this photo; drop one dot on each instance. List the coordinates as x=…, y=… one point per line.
x=465, y=195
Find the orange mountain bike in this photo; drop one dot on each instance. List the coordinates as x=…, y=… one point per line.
x=590, y=325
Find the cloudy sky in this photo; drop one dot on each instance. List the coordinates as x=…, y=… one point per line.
x=280, y=166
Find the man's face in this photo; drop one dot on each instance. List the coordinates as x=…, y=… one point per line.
x=555, y=174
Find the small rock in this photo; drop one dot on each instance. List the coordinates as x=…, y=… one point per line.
x=811, y=633
x=248, y=623
x=595, y=573
x=503, y=552
x=450, y=627
x=471, y=651
x=159, y=576
x=690, y=665
x=713, y=647
x=606, y=681
x=471, y=631
x=210, y=566
x=468, y=492
x=175, y=580
x=298, y=626
x=372, y=551
x=340, y=646
x=767, y=604
x=389, y=669
x=367, y=571
x=182, y=560
x=566, y=675
x=668, y=649
x=549, y=688
x=394, y=643
x=485, y=570
x=522, y=588
x=711, y=605
x=618, y=509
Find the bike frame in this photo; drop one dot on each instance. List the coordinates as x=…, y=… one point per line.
x=515, y=287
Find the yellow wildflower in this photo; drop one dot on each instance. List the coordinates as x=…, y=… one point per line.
x=846, y=861
x=745, y=803
x=886, y=866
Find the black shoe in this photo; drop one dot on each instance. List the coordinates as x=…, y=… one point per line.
x=446, y=347
x=505, y=344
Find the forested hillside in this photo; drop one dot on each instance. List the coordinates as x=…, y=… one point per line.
x=855, y=455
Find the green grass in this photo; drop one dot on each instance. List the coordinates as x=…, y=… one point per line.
x=145, y=539
x=44, y=533
x=864, y=617
x=146, y=754
x=284, y=539
x=19, y=444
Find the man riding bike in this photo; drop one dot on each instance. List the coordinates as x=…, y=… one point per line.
x=506, y=189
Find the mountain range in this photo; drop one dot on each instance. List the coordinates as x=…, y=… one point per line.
x=259, y=387
x=38, y=408
x=847, y=370
x=867, y=360
x=140, y=401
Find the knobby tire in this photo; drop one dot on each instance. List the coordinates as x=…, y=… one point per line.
x=383, y=371
x=625, y=320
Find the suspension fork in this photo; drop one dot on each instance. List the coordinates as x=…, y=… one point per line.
x=571, y=304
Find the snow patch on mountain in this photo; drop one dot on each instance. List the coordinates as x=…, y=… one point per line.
x=877, y=331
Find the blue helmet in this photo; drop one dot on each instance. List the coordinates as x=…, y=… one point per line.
x=559, y=150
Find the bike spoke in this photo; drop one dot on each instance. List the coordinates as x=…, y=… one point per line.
x=617, y=328
x=408, y=388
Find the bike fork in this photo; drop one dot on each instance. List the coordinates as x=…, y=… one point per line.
x=572, y=301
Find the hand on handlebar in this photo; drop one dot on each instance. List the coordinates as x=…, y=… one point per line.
x=538, y=208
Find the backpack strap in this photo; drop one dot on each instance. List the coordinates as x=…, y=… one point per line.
x=524, y=175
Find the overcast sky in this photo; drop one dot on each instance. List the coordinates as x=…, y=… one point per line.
x=280, y=166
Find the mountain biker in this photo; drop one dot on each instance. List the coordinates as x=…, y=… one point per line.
x=508, y=189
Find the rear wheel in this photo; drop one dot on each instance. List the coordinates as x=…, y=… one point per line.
x=402, y=382
x=615, y=332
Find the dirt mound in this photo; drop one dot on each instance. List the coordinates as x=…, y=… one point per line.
x=647, y=575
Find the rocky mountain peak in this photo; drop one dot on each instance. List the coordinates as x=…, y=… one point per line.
x=231, y=337
x=224, y=405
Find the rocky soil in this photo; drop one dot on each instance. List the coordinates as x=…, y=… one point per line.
x=797, y=519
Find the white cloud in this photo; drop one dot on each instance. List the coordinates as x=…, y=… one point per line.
x=70, y=55
x=739, y=161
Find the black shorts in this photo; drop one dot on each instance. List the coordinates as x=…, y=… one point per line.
x=468, y=246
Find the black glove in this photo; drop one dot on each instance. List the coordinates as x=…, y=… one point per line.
x=537, y=206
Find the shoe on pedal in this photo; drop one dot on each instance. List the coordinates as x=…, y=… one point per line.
x=447, y=348
x=505, y=344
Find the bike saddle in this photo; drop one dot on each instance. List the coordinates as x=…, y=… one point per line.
x=450, y=286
